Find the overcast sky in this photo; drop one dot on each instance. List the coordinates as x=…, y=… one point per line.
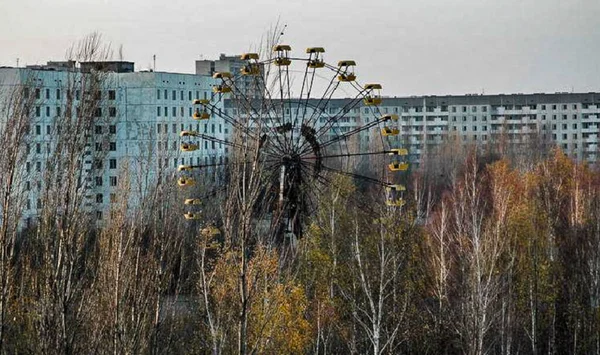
x=411, y=47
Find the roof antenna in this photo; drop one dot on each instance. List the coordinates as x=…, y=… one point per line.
x=154, y=62
x=17, y=62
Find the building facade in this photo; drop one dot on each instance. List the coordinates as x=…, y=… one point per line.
x=139, y=118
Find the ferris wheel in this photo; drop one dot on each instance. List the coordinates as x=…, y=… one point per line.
x=288, y=123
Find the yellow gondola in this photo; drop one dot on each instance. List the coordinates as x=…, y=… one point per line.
x=204, y=115
x=398, y=151
x=210, y=231
x=185, y=181
x=191, y=216
x=192, y=201
x=203, y=102
x=316, y=61
x=387, y=131
x=283, y=61
x=188, y=134
x=398, y=166
x=250, y=69
x=222, y=75
x=248, y=56
x=282, y=58
x=221, y=89
x=311, y=50
x=346, y=69
x=391, y=117
x=395, y=187
x=373, y=98
x=189, y=147
x=395, y=203
x=184, y=168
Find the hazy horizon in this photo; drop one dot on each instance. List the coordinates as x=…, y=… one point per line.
x=410, y=47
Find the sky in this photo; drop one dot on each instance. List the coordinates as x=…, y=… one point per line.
x=416, y=47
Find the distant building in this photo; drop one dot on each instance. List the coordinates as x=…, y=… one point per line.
x=232, y=64
x=570, y=121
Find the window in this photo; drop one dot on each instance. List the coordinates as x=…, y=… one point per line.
x=38, y=130
x=112, y=95
x=564, y=107
x=99, y=215
x=112, y=112
x=112, y=146
x=158, y=128
x=574, y=125
x=181, y=95
x=98, y=112
x=38, y=166
x=38, y=111
x=574, y=106
x=98, y=129
x=98, y=180
x=98, y=164
x=166, y=112
x=47, y=111
x=189, y=96
x=543, y=107
x=48, y=130
x=38, y=94
x=174, y=128
x=38, y=148
x=174, y=111
x=158, y=94
x=98, y=146
x=99, y=198
x=47, y=94
x=112, y=129
x=58, y=111
x=158, y=110
x=58, y=94
x=112, y=164
x=174, y=95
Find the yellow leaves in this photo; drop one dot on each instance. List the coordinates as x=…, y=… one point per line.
x=278, y=321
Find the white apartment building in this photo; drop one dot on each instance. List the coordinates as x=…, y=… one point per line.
x=570, y=121
x=140, y=116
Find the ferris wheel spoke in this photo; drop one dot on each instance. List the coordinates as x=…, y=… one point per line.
x=331, y=87
x=349, y=155
x=345, y=109
x=354, y=175
x=357, y=130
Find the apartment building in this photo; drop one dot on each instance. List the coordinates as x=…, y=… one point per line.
x=139, y=117
x=570, y=121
